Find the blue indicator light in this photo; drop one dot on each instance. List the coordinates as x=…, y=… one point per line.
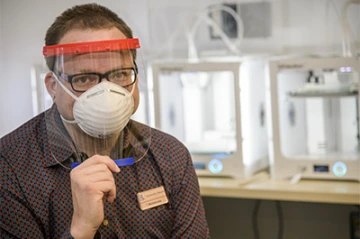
x=215, y=166
x=339, y=169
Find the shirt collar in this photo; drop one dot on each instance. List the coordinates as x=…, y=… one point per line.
x=59, y=146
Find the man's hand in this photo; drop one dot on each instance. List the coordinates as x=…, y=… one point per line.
x=91, y=183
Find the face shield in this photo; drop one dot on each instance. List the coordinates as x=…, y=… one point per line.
x=95, y=87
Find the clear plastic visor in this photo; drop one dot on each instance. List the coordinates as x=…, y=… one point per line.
x=96, y=92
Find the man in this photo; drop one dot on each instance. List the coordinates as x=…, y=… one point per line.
x=58, y=176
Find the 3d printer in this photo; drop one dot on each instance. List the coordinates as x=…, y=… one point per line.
x=217, y=109
x=314, y=119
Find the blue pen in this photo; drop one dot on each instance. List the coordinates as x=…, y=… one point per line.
x=119, y=162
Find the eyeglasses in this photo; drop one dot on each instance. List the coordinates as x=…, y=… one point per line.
x=84, y=81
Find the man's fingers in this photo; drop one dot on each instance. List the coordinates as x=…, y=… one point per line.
x=94, y=169
x=111, y=195
x=109, y=190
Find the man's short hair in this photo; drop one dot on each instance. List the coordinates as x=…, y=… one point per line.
x=82, y=17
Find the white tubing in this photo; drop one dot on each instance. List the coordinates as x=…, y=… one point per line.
x=348, y=34
x=204, y=15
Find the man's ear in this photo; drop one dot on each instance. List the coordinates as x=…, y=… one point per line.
x=50, y=84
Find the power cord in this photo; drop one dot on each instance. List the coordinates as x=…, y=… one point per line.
x=280, y=216
x=255, y=216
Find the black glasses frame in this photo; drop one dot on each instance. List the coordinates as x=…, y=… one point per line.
x=69, y=78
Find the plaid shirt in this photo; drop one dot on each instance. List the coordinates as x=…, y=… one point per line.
x=35, y=191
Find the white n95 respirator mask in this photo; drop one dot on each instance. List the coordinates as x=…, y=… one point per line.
x=103, y=110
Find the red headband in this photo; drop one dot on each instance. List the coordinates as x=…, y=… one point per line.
x=87, y=47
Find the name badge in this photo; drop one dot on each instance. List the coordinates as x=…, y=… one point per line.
x=152, y=198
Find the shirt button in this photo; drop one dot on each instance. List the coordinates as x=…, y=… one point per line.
x=105, y=223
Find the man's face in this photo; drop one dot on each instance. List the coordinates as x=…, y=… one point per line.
x=84, y=63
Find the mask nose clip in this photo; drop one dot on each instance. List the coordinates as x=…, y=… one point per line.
x=104, y=78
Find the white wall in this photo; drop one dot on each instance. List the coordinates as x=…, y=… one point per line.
x=2, y=97
x=298, y=26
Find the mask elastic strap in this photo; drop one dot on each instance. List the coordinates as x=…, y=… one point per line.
x=70, y=93
x=64, y=87
x=69, y=121
x=133, y=88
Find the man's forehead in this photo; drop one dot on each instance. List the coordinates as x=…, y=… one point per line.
x=100, y=61
x=91, y=35
x=112, y=55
